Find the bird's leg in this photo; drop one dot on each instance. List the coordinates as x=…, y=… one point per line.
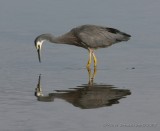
x=90, y=81
x=94, y=73
x=95, y=59
x=90, y=58
x=91, y=76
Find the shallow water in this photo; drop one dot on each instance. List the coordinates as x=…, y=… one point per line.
x=124, y=94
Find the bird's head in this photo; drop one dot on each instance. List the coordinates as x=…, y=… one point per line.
x=38, y=44
x=39, y=41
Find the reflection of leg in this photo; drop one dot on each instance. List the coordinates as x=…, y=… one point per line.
x=90, y=59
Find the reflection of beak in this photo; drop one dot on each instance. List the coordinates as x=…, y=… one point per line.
x=39, y=54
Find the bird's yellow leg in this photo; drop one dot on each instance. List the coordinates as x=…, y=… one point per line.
x=95, y=59
x=89, y=73
x=90, y=59
x=91, y=76
x=90, y=81
x=94, y=73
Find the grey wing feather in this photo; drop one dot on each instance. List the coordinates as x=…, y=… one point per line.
x=97, y=37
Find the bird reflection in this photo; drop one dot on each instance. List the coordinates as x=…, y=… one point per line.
x=86, y=96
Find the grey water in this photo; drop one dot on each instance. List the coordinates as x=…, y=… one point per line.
x=59, y=94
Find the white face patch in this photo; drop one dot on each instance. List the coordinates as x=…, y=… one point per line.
x=39, y=44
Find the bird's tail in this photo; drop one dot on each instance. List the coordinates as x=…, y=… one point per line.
x=124, y=36
x=118, y=35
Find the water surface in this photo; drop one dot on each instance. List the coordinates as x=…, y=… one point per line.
x=125, y=92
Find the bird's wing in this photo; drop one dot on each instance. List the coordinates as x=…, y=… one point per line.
x=97, y=36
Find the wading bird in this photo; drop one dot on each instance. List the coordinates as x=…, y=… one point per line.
x=89, y=37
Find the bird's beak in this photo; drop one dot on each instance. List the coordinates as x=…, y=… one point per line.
x=38, y=46
x=39, y=54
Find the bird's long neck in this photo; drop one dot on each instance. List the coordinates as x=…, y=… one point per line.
x=67, y=38
x=55, y=39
